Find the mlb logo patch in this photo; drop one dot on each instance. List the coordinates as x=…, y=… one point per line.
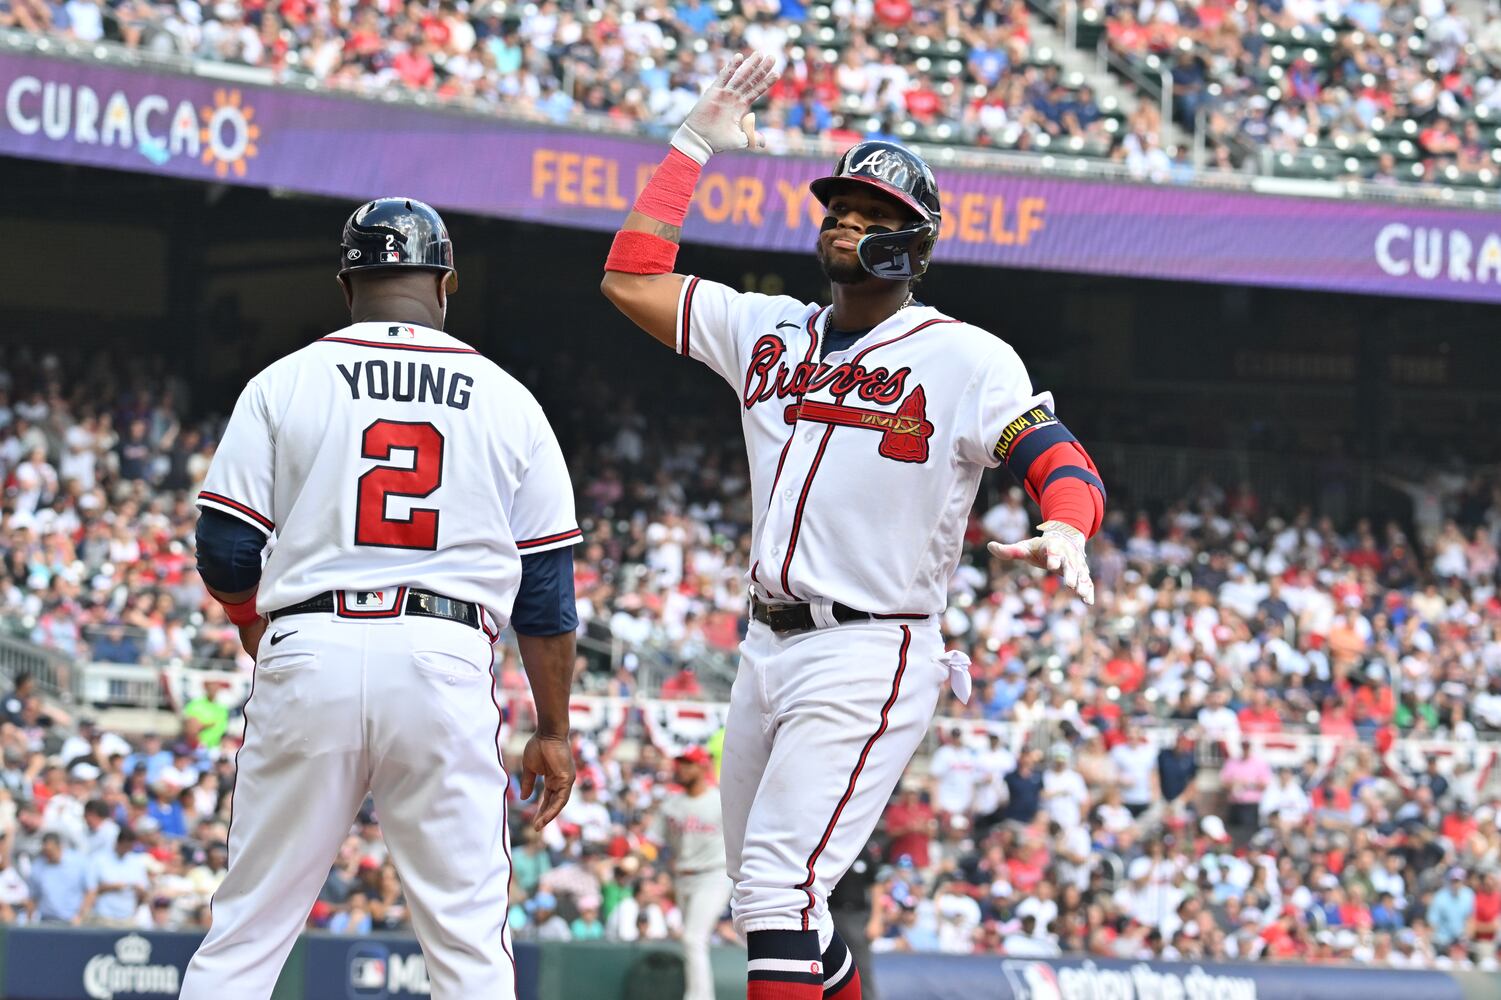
x=362, y=605
x=407, y=332
x=367, y=973
x=390, y=257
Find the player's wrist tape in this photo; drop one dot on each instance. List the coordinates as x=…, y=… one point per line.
x=668, y=194
x=692, y=145
x=243, y=613
x=635, y=252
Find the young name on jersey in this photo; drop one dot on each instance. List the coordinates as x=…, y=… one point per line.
x=407, y=382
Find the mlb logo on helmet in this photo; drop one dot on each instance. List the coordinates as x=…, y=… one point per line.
x=390, y=257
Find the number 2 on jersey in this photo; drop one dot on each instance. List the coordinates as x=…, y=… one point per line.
x=372, y=526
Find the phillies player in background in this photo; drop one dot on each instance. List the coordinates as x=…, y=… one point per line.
x=867, y=427
x=693, y=828
x=416, y=503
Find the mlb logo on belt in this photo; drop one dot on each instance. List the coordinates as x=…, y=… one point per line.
x=366, y=604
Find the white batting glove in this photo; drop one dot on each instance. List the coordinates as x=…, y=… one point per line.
x=1059, y=549
x=721, y=120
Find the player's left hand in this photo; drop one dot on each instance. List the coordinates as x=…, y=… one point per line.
x=722, y=119
x=551, y=759
x=250, y=635
x=1059, y=549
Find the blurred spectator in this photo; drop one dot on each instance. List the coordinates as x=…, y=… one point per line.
x=61, y=885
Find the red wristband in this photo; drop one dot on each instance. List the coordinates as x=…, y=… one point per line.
x=668, y=194
x=635, y=252
x=242, y=614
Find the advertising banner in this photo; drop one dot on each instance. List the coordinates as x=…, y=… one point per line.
x=192, y=127
x=946, y=977
x=385, y=967
x=63, y=964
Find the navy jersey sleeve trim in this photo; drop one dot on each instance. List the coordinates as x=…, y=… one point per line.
x=229, y=551
x=545, y=603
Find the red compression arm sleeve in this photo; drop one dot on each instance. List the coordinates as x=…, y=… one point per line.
x=665, y=198
x=668, y=194
x=1058, y=480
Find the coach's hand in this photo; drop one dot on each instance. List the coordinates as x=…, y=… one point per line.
x=551, y=759
x=721, y=120
x=1059, y=549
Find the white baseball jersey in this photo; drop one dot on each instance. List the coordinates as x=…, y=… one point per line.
x=864, y=464
x=388, y=455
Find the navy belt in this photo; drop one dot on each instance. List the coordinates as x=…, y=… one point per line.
x=421, y=603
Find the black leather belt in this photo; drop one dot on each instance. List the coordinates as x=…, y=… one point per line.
x=785, y=618
x=422, y=603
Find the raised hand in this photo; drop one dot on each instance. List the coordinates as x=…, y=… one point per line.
x=1059, y=549
x=721, y=120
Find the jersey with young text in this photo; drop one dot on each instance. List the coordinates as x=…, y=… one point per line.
x=864, y=463
x=389, y=455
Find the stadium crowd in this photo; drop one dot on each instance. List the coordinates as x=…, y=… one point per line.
x=1073, y=826
x=1388, y=92
x=964, y=67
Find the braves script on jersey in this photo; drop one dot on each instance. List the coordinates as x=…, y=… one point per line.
x=393, y=455
x=864, y=463
x=381, y=460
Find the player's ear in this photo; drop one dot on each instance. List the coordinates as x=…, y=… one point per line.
x=348, y=291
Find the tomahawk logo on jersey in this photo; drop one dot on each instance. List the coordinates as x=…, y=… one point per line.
x=404, y=463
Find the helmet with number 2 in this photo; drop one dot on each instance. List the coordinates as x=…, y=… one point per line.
x=391, y=233
x=893, y=169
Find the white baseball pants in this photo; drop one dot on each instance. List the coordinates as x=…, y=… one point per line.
x=402, y=707
x=703, y=897
x=820, y=728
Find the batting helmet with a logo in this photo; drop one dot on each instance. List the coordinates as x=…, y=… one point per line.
x=895, y=170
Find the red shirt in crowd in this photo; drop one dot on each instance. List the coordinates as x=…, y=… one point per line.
x=1264, y=720
x=414, y=68
x=1487, y=913
x=1458, y=828
x=923, y=103
x=681, y=686
x=916, y=819
x=1125, y=673
x=1356, y=916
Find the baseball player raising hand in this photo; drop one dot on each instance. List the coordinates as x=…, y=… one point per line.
x=415, y=503
x=867, y=426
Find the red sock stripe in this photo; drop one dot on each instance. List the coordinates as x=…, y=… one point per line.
x=849, y=991
x=849, y=791
x=761, y=989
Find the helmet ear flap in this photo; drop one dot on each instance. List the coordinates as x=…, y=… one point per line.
x=898, y=255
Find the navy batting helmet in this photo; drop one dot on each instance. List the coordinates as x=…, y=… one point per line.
x=895, y=170
x=391, y=233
